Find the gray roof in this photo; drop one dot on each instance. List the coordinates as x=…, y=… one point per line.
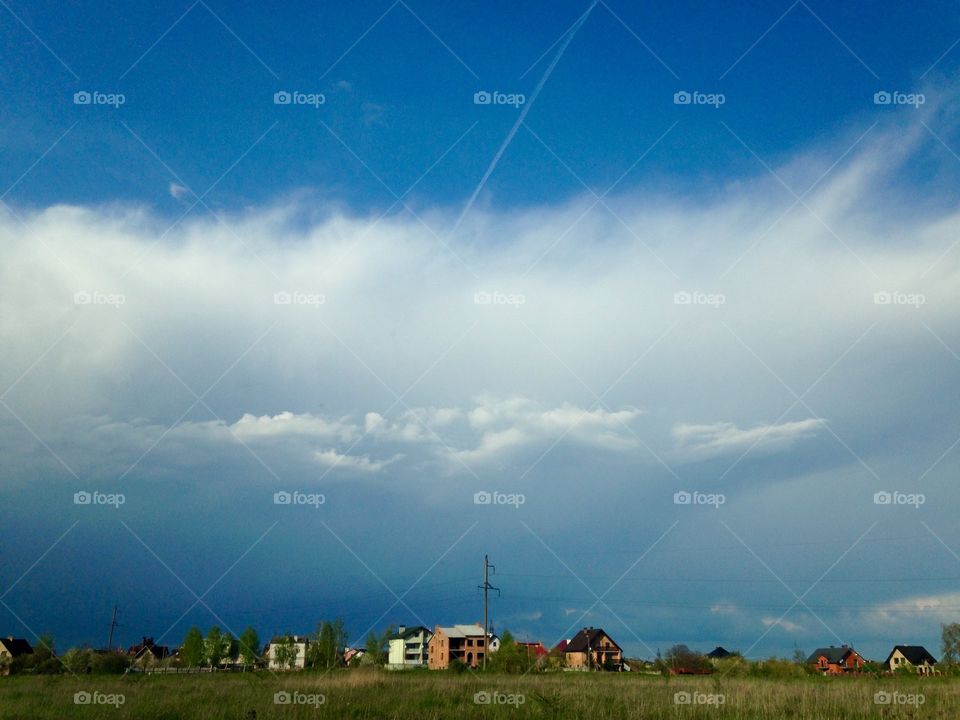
x=410, y=632
x=832, y=654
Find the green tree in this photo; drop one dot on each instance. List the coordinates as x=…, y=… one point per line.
x=510, y=657
x=377, y=646
x=950, y=643
x=213, y=647
x=249, y=646
x=285, y=652
x=329, y=641
x=192, y=650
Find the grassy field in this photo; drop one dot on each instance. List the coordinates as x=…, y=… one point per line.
x=424, y=695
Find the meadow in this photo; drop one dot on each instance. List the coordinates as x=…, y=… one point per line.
x=433, y=695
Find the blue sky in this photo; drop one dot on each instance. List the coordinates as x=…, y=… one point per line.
x=398, y=298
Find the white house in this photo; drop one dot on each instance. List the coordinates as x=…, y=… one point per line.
x=409, y=647
x=277, y=648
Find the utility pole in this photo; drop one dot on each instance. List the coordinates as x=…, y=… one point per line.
x=113, y=624
x=487, y=587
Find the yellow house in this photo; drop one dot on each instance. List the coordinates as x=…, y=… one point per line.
x=593, y=649
x=911, y=656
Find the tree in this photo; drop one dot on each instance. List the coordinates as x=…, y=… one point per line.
x=799, y=656
x=285, y=652
x=329, y=641
x=511, y=657
x=950, y=646
x=213, y=647
x=192, y=650
x=377, y=646
x=249, y=646
x=680, y=657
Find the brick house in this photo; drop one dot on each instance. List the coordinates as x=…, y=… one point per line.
x=836, y=660
x=466, y=643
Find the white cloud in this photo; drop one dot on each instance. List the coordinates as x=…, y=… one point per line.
x=724, y=609
x=790, y=627
x=290, y=424
x=177, y=191
x=510, y=423
x=722, y=437
x=909, y=611
x=362, y=463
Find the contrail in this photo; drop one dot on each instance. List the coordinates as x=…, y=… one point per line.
x=523, y=113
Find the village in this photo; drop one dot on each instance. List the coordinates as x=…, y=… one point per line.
x=455, y=648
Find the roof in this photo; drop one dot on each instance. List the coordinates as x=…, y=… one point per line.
x=588, y=637
x=296, y=639
x=536, y=648
x=915, y=654
x=410, y=632
x=16, y=646
x=719, y=652
x=461, y=631
x=832, y=654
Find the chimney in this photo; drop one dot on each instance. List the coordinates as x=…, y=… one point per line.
x=400, y=629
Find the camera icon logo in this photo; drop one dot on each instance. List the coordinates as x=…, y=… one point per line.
x=682, y=298
x=682, y=98
x=282, y=298
x=682, y=498
x=882, y=98
x=82, y=97
x=282, y=498
x=82, y=297
x=482, y=498
x=281, y=97
x=82, y=698
x=882, y=498
x=82, y=498
x=482, y=698
x=482, y=97
x=882, y=698
x=282, y=697
x=681, y=698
